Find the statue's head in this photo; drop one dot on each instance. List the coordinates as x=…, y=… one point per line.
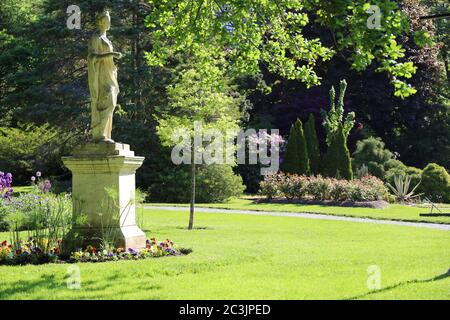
x=103, y=20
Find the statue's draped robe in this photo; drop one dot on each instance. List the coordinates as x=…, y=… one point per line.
x=103, y=87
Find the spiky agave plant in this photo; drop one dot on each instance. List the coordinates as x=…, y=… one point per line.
x=401, y=190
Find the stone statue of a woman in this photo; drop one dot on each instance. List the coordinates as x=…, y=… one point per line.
x=103, y=84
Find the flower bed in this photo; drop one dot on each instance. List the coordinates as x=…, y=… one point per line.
x=22, y=253
x=296, y=187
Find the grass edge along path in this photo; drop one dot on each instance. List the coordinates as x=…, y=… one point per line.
x=393, y=212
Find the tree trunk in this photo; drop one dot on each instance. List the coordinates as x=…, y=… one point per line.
x=191, y=213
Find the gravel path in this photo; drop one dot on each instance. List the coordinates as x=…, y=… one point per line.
x=308, y=216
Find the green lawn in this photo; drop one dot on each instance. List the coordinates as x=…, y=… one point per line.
x=22, y=189
x=257, y=257
x=392, y=212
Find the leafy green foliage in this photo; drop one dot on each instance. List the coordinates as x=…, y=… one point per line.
x=375, y=156
x=337, y=162
x=25, y=150
x=436, y=183
x=218, y=183
x=214, y=183
x=296, y=158
x=203, y=96
x=335, y=116
x=312, y=143
x=250, y=33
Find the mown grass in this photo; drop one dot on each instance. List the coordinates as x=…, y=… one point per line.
x=391, y=212
x=256, y=257
x=22, y=189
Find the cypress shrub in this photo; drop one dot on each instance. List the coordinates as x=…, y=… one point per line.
x=312, y=144
x=296, y=157
x=337, y=161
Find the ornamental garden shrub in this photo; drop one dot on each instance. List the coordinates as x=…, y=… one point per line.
x=296, y=158
x=272, y=185
x=372, y=153
x=300, y=187
x=218, y=183
x=319, y=188
x=335, y=116
x=214, y=183
x=293, y=186
x=337, y=162
x=435, y=183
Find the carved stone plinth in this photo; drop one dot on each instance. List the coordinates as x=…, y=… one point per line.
x=103, y=190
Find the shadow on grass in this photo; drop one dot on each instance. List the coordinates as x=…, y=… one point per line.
x=401, y=284
x=46, y=281
x=194, y=228
x=108, y=288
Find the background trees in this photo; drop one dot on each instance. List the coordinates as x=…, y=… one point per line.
x=276, y=53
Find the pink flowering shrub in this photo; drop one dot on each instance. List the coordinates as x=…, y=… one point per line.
x=367, y=188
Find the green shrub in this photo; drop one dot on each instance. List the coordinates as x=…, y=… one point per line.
x=296, y=158
x=271, y=186
x=217, y=183
x=293, y=186
x=213, y=183
x=24, y=150
x=435, y=183
x=372, y=152
x=312, y=144
x=376, y=169
x=319, y=188
x=394, y=164
x=337, y=161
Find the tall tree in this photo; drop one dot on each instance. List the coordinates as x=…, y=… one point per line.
x=202, y=99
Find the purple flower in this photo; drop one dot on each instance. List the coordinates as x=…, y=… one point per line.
x=33, y=178
x=5, y=185
x=133, y=252
x=38, y=174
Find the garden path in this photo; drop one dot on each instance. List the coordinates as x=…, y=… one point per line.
x=319, y=216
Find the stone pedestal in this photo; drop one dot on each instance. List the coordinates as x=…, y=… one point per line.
x=103, y=190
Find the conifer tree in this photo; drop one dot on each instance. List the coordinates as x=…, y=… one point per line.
x=296, y=157
x=312, y=143
x=337, y=161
